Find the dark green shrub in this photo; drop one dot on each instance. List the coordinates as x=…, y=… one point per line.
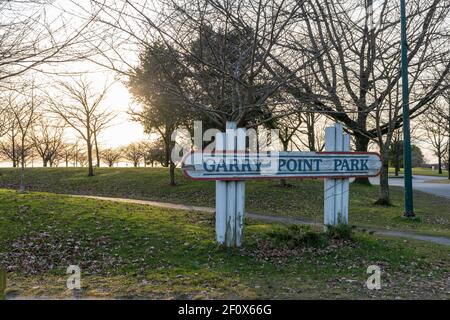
x=296, y=235
x=340, y=232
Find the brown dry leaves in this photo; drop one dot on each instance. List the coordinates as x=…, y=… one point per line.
x=39, y=252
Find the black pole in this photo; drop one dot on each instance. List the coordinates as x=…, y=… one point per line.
x=409, y=207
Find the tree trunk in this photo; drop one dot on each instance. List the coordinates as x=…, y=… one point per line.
x=14, y=153
x=285, y=143
x=90, y=166
x=172, y=174
x=439, y=163
x=44, y=162
x=22, y=177
x=15, y=164
x=166, y=154
x=397, y=164
x=312, y=139
x=384, y=198
x=97, y=154
x=448, y=152
x=22, y=168
x=362, y=144
x=89, y=147
x=167, y=149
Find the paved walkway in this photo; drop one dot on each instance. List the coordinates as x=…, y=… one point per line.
x=266, y=218
x=421, y=183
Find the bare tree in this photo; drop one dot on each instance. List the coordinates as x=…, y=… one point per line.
x=154, y=152
x=82, y=159
x=384, y=140
x=134, y=153
x=314, y=130
x=24, y=108
x=5, y=120
x=81, y=111
x=100, y=122
x=239, y=56
x=446, y=115
x=79, y=154
x=47, y=139
x=287, y=128
x=434, y=125
x=68, y=152
x=223, y=49
x=396, y=151
x=357, y=68
x=111, y=156
x=30, y=38
x=9, y=145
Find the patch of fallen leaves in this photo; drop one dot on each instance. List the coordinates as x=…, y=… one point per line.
x=39, y=252
x=267, y=250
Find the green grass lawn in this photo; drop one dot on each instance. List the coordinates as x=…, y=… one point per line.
x=303, y=199
x=424, y=172
x=136, y=251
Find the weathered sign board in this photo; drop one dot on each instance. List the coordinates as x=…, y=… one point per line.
x=230, y=165
x=276, y=165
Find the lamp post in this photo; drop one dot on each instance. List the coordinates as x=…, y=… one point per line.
x=448, y=142
x=409, y=207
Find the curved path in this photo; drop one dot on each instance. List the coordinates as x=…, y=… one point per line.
x=422, y=183
x=289, y=220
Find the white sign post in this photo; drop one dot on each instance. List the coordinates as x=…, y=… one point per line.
x=336, y=190
x=230, y=194
x=230, y=165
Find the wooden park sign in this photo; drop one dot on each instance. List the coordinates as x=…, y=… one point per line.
x=230, y=165
x=276, y=165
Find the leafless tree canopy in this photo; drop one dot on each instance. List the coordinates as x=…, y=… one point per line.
x=33, y=33
x=23, y=107
x=339, y=58
x=134, y=153
x=111, y=156
x=80, y=109
x=278, y=63
x=47, y=139
x=435, y=125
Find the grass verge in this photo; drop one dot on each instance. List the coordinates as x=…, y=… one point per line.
x=135, y=251
x=424, y=172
